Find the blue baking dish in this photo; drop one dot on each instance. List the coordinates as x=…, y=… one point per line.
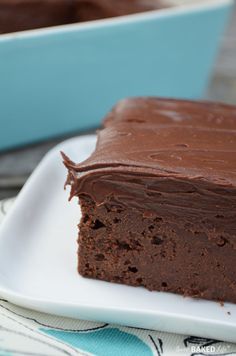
x=63, y=79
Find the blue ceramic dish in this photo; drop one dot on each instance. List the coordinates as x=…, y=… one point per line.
x=57, y=80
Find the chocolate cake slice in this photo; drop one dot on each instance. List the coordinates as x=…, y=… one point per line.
x=158, y=198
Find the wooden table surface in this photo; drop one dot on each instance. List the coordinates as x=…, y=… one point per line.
x=16, y=165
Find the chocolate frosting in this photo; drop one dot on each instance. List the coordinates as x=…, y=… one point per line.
x=184, y=139
x=19, y=15
x=170, y=155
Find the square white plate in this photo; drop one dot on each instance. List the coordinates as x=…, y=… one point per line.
x=38, y=264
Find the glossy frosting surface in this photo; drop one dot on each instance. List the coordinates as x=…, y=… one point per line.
x=184, y=139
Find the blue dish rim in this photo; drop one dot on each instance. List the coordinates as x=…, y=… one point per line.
x=178, y=9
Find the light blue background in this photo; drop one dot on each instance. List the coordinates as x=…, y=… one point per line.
x=59, y=81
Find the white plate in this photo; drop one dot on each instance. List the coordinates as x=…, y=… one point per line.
x=38, y=264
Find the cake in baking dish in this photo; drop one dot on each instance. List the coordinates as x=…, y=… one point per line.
x=19, y=15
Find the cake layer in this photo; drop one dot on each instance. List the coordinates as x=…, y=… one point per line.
x=19, y=15
x=129, y=246
x=162, y=183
